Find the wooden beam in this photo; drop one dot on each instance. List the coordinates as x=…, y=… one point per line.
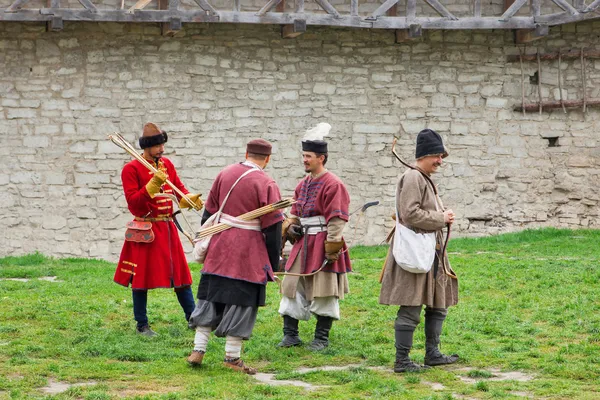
x=16, y=6
x=569, y=55
x=565, y=18
x=548, y=105
x=312, y=19
x=267, y=7
x=139, y=5
x=477, y=8
x=56, y=23
x=595, y=4
x=87, y=4
x=440, y=9
x=411, y=9
x=523, y=36
x=174, y=26
x=205, y=6
x=296, y=29
x=536, y=8
x=353, y=7
x=382, y=9
x=566, y=6
x=512, y=10
x=328, y=8
x=410, y=34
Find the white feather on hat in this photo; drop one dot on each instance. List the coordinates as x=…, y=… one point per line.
x=318, y=132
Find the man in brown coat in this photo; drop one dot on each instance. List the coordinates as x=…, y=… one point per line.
x=437, y=289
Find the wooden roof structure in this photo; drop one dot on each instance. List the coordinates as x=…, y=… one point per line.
x=531, y=18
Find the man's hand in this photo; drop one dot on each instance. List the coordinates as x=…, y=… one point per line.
x=332, y=250
x=291, y=230
x=153, y=187
x=449, y=216
x=194, y=198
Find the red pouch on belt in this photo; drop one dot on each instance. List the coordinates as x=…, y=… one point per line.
x=139, y=231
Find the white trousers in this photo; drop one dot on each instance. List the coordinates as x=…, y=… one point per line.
x=299, y=308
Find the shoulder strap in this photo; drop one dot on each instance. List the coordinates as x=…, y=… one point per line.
x=218, y=213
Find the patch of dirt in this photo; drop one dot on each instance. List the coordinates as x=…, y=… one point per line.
x=522, y=394
x=49, y=279
x=269, y=379
x=43, y=278
x=434, y=385
x=497, y=375
x=55, y=387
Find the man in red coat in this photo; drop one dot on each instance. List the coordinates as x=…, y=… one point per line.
x=315, y=227
x=147, y=263
x=239, y=261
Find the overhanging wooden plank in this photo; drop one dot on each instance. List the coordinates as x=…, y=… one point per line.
x=383, y=22
x=569, y=55
x=102, y=15
x=463, y=23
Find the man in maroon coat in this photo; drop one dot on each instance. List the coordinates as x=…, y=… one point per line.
x=147, y=263
x=315, y=227
x=239, y=261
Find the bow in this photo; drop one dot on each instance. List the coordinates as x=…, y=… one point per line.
x=362, y=209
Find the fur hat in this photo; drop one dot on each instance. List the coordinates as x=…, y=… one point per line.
x=313, y=139
x=429, y=143
x=152, y=136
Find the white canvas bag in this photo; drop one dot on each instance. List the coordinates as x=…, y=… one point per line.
x=201, y=245
x=413, y=252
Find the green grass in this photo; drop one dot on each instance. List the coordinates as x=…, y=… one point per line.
x=529, y=302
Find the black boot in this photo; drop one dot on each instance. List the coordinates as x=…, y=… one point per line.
x=322, y=329
x=290, y=332
x=404, y=341
x=434, y=321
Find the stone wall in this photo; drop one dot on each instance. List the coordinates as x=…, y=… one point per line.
x=215, y=87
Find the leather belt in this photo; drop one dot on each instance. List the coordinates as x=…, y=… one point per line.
x=157, y=219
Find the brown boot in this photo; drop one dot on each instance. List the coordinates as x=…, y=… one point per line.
x=238, y=365
x=195, y=359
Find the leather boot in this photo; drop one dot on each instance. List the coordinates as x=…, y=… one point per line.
x=434, y=320
x=290, y=332
x=322, y=329
x=195, y=359
x=404, y=341
x=237, y=364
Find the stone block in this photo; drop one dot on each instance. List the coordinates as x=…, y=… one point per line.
x=20, y=113
x=36, y=141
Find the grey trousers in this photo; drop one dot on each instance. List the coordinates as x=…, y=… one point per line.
x=408, y=317
x=224, y=319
